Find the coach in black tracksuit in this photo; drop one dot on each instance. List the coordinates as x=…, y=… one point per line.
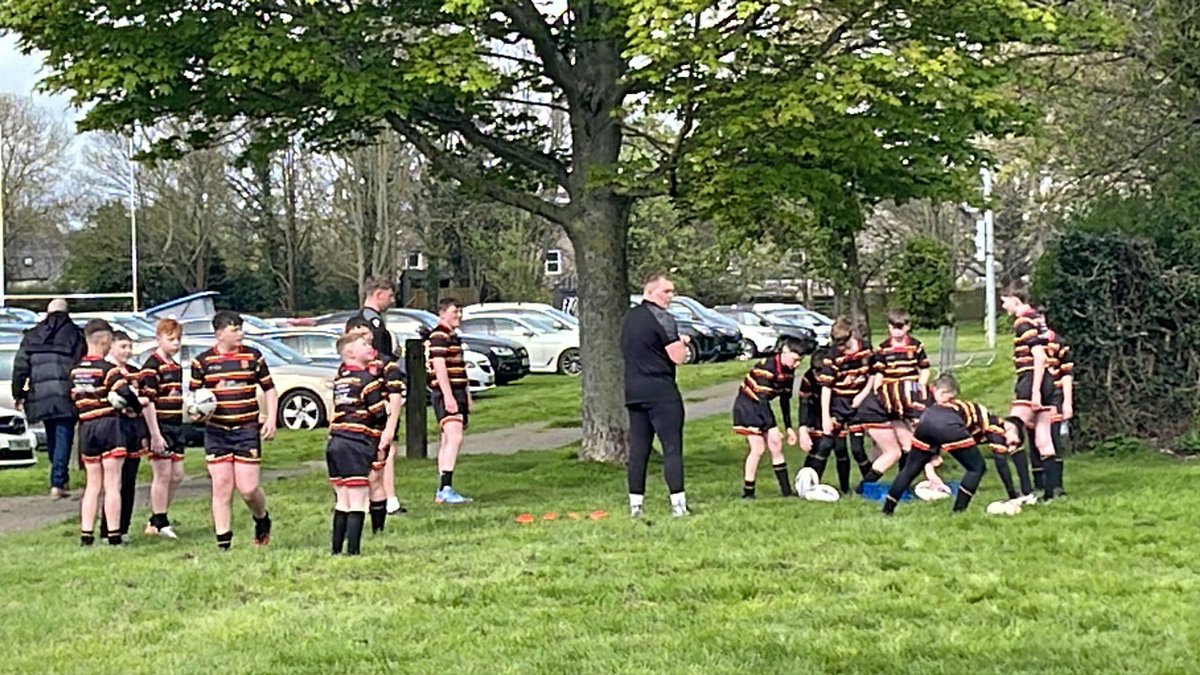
x=652, y=346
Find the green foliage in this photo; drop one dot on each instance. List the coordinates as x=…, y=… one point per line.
x=923, y=277
x=1130, y=308
x=1120, y=446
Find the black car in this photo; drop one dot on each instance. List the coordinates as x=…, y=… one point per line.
x=510, y=360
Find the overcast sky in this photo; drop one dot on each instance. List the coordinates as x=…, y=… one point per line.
x=19, y=74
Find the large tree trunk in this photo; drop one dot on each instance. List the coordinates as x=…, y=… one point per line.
x=599, y=239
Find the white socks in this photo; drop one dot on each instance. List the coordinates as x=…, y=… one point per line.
x=678, y=500
x=636, y=500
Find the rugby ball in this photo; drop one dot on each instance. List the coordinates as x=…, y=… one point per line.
x=117, y=401
x=202, y=404
x=927, y=491
x=1003, y=509
x=822, y=493
x=805, y=480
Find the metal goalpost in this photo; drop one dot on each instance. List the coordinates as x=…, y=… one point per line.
x=132, y=294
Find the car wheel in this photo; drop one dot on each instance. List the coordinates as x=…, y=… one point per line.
x=570, y=363
x=690, y=353
x=301, y=410
x=748, y=350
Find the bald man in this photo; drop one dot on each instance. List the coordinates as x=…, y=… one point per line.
x=41, y=386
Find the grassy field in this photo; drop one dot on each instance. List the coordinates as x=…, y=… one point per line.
x=1102, y=582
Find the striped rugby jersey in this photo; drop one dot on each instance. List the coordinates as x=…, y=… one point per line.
x=445, y=343
x=162, y=383
x=360, y=403
x=91, y=381
x=233, y=377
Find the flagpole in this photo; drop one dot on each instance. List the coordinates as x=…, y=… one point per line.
x=3, y=284
x=133, y=233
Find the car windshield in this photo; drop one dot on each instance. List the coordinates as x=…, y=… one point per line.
x=256, y=323
x=565, y=317
x=138, y=324
x=540, y=323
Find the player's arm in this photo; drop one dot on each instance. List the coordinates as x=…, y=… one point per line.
x=262, y=375
x=149, y=389
x=20, y=376
x=825, y=378
x=866, y=391
x=1068, y=388
x=675, y=344
x=1039, y=373
x=377, y=400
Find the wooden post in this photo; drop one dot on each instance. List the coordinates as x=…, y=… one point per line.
x=417, y=406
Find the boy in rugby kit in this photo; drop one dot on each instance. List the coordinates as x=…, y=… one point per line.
x=101, y=443
x=770, y=378
x=395, y=381
x=449, y=396
x=958, y=428
x=358, y=438
x=1061, y=366
x=901, y=369
x=133, y=427
x=232, y=434
x=1034, y=394
x=162, y=384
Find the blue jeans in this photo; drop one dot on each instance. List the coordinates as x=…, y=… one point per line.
x=60, y=436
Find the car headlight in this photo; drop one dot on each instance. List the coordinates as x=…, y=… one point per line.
x=502, y=351
x=704, y=330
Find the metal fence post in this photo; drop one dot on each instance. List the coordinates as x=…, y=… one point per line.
x=946, y=354
x=416, y=408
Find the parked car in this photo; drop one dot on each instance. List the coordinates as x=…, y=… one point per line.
x=797, y=315
x=17, y=441
x=136, y=325
x=522, y=309
x=725, y=332
x=18, y=315
x=305, y=387
x=322, y=344
x=551, y=350
x=759, y=333
x=509, y=358
x=9, y=344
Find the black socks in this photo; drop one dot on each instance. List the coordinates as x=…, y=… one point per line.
x=354, y=529
x=86, y=538
x=781, y=475
x=378, y=516
x=871, y=476
x=339, y=531
x=747, y=489
x=447, y=479
x=159, y=520
x=224, y=540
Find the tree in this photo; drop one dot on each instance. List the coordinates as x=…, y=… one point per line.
x=469, y=82
x=924, y=282
x=36, y=177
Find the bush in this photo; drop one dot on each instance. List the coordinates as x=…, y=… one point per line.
x=924, y=281
x=1133, y=320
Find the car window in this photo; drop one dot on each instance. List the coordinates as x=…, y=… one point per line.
x=479, y=326
x=7, y=356
x=319, y=345
x=506, y=326
x=292, y=341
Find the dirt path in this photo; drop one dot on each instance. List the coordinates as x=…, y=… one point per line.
x=22, y=514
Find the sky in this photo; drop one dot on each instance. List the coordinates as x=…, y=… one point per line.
x=19, y=74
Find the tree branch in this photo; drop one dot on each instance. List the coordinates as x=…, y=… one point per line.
x=457, y=170
x=528, y=21
x=503, y=149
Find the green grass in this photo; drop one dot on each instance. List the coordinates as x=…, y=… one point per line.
x=1103, y=582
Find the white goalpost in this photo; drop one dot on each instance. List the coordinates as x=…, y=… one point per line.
x=131, y=295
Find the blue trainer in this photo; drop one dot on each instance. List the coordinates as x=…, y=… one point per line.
x=447, y=495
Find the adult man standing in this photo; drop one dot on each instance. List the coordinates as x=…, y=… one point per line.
x=41, y=386
x=378, y=296
x=652, y=347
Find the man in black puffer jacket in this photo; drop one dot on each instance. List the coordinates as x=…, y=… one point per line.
x=41, y=386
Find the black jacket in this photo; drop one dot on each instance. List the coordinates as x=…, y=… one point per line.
x=42, y=368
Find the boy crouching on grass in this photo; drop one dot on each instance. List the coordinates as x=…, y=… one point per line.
x=771, y=378
x=357, y=437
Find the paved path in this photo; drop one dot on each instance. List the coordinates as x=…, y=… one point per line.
x=21, y=514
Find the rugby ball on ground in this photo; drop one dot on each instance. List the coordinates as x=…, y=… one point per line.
x=1003, y=509
x=929, y=492
x=202, y=404
x=822, y=493
x=805, y=480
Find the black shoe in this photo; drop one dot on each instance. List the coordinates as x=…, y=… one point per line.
x=749, y=495
x=262, y=530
